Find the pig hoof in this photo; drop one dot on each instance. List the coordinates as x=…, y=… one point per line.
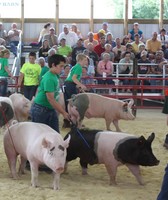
x=56, y=188
x=84, y=173
x=113, y=183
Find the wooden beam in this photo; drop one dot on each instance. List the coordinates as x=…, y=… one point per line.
x=126, y=18
x=161, y=11
x=91, y=16
x=57, y=16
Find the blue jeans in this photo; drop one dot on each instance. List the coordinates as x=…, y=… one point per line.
x=163, y=195
x=3, y=86
x=69, y=88
x=30, y=91
x=42, y=114
x=14, y=45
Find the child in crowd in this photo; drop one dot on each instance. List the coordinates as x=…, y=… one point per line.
x=4, y=71
x=73, y=81
x=29, y=75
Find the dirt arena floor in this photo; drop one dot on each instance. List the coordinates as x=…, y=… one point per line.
x=95, y=186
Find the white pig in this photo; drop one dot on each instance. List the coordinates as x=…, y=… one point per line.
x=98, y=106
x=39, y=144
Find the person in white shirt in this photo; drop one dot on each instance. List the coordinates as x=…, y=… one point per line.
x=163, y=38
x=14, y=38
x=71, y=37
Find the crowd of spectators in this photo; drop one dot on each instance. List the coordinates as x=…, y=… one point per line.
x=102, y=49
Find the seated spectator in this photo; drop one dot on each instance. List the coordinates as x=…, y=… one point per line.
x=86, y=78
x=43, y=51
x=2, y=47
x=105, y=70
x=3, y=35
x=127, y=68
x=43, y=32
x=136, y=43
x=109, y=39
x=64, y=49
x=51, y=52
x=92, y=54
x=105, y=27
x=134, y=31
x=3, y=32
x=51, y=37
x=2, y=42
x=75, y=29
x=141, y=47
x=118, y=50
x=125, y=40
x=153, y=44
x=64, y=73
x=158, y=69
x=14, y=38
x=144, y=69
x=99, y=49
x=163, y=38
x=90, y=66
x=108, y=49
x=129, y=48
x=90, y=40
x=79, y=48
x=97, y=36
x=44, y=67
x=71, y=37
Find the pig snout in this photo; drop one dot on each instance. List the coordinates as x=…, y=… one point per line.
x=60, y=169
x=154, y=162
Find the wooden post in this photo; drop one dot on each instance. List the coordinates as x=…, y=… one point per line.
x=57, y=16
x=91, y=17
x=126, y=18
x=161, y=10
x=134, y=87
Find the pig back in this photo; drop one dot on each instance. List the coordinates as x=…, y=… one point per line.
x=23, y=136
x=106, y=142
x=99, y=106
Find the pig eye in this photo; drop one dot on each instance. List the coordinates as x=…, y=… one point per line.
x=51, y=151
x=125, y=109
x=61, y=147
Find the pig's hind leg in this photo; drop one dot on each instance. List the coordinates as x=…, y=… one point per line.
x=22, y=165
x=12, y=158
x=135, y=169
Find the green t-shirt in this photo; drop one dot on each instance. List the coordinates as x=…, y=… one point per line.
x=64, y=51
x=31, y=73
x=43, y=71
x=3, y=64
x=49, y=83
x=75, y=70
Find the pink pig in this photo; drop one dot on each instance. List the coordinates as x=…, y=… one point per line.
x=39, y=144
x=93, y=105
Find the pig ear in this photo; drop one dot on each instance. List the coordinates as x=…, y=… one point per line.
x=151, y=137
x=141, y=140
x=131, y=102
x=46, y=143
x=66, y=142
x=125, y=107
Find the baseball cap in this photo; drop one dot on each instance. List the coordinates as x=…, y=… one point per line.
x=136, y=23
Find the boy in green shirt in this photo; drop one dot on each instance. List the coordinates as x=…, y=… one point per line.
x=73, y=81
x=45, y=107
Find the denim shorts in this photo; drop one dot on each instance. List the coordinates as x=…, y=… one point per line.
x=42, y=114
